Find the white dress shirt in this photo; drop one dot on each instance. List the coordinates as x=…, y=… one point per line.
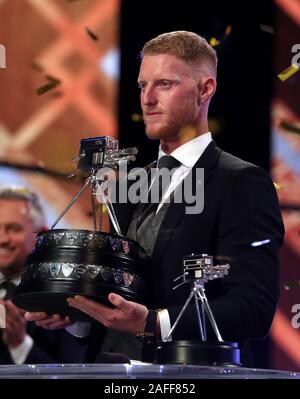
x=187, y=154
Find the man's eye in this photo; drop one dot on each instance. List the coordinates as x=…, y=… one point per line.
x=141, y=85
x=164, y=83
x=14, y=228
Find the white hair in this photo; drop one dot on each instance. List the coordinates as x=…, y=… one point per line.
x=21, y=193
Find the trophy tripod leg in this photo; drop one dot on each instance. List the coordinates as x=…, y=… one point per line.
x=192, y=294
x=74, y=199
x=201, y=325
x=212, y=320
x=94, y=209
x=111, y=212
x=203, y=318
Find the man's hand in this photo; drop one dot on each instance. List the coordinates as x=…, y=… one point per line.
x=127, y=316
x=52, y=322
x=15, y=331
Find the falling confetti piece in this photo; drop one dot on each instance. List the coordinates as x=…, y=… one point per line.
x=215, y=125
x=292, y=284
x=91, y=33
x=52, y=79
x=214, y=42
x=267, y=28
x=228, y=30
x=136, y=117
x=44, y=89
x=53, y=83
x=259, y=243
x=288, y=72
x=291, y=127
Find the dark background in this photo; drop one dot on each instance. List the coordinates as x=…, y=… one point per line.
x=241, y=105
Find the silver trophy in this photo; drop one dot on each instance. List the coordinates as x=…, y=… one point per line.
x=197, y=271
x=96, y=153
x=67, y=262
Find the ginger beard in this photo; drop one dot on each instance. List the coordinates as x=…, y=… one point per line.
x=171, y=125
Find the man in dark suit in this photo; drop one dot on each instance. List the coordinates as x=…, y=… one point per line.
x=21, y=215
x=240, y=218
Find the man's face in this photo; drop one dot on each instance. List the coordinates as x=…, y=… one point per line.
x=16, y=235
x=169, y=96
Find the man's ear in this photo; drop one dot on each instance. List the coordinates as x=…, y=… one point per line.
x=206, y=89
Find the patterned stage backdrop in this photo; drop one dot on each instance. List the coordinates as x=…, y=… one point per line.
x=286, y=173
x=59, y=67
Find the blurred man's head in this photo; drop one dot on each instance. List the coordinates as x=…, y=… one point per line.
x=21, y=216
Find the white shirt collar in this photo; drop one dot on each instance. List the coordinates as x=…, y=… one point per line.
x=16, y=279
x=189, y=153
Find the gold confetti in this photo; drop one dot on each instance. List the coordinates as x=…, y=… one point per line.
x=288, y=72
x=91, y=34
x=214, y=42
x=277, y=186
x=137, y=117
x=215, y=125
x=228, y=30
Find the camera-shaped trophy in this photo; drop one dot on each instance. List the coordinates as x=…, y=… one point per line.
x=68, y=262
x=198, y=270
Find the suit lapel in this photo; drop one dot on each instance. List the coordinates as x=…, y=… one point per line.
x=176, y=211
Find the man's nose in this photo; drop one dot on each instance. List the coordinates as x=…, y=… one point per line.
x=4, y=238
x=149, y=96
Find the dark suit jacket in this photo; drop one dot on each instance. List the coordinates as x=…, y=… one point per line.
x=49, y=347
x=240, y=208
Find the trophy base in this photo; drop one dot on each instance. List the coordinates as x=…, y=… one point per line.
x=198, y=353
x=72, y=262
x=51, y=297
